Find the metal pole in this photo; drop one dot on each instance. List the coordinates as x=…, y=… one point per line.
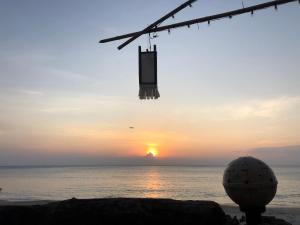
x=156, y=23
x=208, y=19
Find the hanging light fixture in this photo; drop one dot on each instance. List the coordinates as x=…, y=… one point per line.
x=148, y=59
x=148, y=74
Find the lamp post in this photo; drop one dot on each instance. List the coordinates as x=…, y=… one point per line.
x=251, y=184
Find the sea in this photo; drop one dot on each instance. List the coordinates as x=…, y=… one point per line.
x=175, y=182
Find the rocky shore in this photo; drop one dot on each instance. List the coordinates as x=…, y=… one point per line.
x=122, y=211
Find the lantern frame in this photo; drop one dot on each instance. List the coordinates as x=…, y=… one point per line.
x=154, y=52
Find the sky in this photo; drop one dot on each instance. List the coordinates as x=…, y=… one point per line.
x=227, y=90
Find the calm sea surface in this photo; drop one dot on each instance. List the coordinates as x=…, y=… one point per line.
x=193, y=183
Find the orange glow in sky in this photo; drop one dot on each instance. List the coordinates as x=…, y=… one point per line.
x=84, y=109
x=152, y=150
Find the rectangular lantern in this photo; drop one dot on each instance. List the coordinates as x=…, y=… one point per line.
x=148, y=74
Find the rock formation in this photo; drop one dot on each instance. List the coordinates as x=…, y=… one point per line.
x=119, y=211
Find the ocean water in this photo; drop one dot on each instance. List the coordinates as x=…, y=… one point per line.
x=183, y=183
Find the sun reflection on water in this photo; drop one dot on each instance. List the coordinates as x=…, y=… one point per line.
x=153, y=184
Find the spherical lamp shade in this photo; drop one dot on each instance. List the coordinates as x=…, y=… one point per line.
x=250, y=183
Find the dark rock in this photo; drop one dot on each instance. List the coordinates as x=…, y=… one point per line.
x=123, y=211
x=116, y=211
x=232, y=221
x=270, y=220
x=266, y=220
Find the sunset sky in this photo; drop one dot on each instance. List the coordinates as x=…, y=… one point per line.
x=227, y=89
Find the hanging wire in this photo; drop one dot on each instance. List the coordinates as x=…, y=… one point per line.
x=149, y=39
x=154, y=35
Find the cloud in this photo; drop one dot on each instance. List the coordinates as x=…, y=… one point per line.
x=5, y=127
x=269, y=108
x=249, y=108
x=11, y=157
x=284, y=155
x=149, y=156
x=31, y=92
x=31, y=71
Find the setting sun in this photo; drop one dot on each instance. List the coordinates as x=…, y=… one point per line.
x=153, y=151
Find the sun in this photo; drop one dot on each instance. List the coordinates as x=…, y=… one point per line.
x=153, y=151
